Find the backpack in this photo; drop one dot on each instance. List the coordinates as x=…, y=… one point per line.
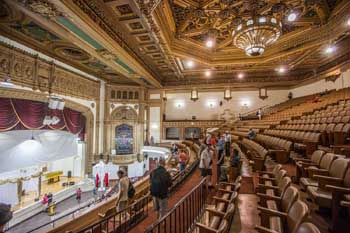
x=131, y=190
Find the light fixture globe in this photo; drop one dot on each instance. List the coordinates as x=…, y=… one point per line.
x=255, y=34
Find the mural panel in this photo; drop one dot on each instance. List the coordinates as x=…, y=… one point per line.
x=124, y=139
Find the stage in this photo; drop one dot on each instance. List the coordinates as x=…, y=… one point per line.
x=29, y=197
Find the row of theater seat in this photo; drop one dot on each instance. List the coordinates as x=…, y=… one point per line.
x=281, y=210
x=218, y=218
x=326, y=179
x=278, y=148
x=255, y=152
x=304, y=142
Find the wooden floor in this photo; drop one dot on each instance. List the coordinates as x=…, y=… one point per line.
x=29, y=197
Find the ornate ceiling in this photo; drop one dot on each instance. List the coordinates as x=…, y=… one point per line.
x=148, y=42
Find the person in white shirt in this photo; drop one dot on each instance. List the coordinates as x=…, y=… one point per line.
x=227, y=138
x=206, y=164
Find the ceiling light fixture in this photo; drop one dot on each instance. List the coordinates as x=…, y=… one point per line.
x=348, y=22
x=207, y=73
x=7, y=82
x=329, y=49
x=292, y=17
x=209, y=43
x=281, y=69
x=240, y=75
x=256, y=33
x=190, y=63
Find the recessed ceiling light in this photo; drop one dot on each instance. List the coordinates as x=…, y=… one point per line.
x=209, y=43
x=292, y=17
x=329, y=49
x=240, y=75
x=207, y=73
x=281, y=70
x=190, y=64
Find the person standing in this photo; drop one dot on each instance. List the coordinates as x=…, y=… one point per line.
x=220, y=146
x=160, y=183
x=182, y=160
x=251, y=134
x=206, y=164
x=5, y=216
x=122, y=188
x=78, y=195
x=174, y=149
x=227, y=138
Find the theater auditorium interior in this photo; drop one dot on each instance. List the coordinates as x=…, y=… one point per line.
x=175, y=116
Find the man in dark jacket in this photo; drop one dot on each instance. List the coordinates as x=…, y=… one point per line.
x=160, y=184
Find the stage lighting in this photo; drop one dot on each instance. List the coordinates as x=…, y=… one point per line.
x=47, y=120
x=55, y=120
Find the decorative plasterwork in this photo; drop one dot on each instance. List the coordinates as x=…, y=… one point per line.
x=37, y=74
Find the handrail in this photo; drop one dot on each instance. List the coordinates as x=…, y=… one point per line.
x=254, y=110
x=121, y=221
x=182, y=217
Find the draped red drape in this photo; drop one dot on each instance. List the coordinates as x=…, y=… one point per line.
x=18, y=114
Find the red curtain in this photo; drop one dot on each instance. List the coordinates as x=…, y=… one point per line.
x=17, y=114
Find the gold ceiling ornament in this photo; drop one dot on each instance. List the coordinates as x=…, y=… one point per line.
x=255, y=34
x=106, y=54
x=43, y=8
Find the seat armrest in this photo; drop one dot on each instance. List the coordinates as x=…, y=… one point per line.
x=225, y=191
x=215, y=212
x=266, y=178
x=220, y=199
x=264, y=187
x=265, y=197
x=262, y=229
x=345, y=203
x=272, y=213
x=205, y=228
x=233, y=185
x=324, y=180
x=302, y=160
x=264, y=173
x=338, y=189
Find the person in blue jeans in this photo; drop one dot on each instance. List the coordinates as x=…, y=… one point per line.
x=220, y=146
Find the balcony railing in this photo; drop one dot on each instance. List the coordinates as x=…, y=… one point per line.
x=183, y=216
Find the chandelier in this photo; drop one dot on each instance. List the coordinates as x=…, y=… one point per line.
x=255, y=34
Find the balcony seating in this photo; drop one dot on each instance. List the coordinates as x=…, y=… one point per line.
x=282, y=204
x=256, y=153
x=272, y=174
x=280, y=148
x=303, y=163
x=324, y=167
x=286, y=222
x=275, y=190
x=273, y=180
x=336, y=177
x=223, y=227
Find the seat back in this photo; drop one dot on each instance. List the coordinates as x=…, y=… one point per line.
x=229, y=211
x=327, y=160
x=308, y=227
x=289, y=197
x=276, y=169
x=296, y=215
x=347, y=179
x=284, y=184
x=317, y=156
x=338, y=168
x=223, y=227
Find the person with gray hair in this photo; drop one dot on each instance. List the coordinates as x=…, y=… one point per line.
x=160, y=183
x=5, y=216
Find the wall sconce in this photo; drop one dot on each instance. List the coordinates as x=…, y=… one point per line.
x=227, y=94
x=263, y=93
x=194, y=95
